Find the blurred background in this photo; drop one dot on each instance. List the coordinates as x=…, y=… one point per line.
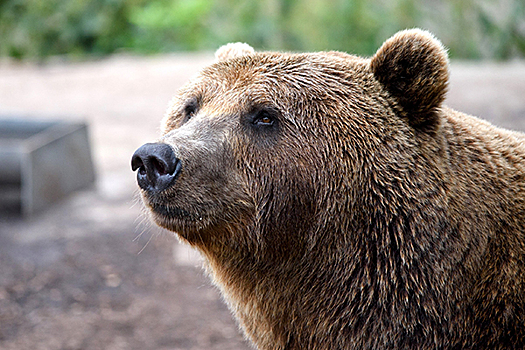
x=90, y=271
x=472, y=29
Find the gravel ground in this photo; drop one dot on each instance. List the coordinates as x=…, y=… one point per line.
x=91, y=272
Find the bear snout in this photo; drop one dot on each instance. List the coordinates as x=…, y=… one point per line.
x=157, y=166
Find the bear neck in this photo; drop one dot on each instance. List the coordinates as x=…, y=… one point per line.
x=369, y=274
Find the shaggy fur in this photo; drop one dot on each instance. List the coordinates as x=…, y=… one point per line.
x=340, y=205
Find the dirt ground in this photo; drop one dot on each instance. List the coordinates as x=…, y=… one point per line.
x=91, y=272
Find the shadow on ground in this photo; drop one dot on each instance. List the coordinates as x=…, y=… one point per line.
x=69, y=281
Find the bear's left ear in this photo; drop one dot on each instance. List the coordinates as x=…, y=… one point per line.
x=233, y=50
x=413, y=67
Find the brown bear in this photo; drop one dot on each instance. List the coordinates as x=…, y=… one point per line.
x=340, y=205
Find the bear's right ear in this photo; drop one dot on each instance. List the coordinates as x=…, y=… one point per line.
x=413, y=67
x=233, y=50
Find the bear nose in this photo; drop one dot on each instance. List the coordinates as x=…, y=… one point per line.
x=157, y=166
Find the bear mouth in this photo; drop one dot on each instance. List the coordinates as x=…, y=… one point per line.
x=170, y=211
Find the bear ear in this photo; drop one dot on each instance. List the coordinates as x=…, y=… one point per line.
x=233, y=50
x=413, y=67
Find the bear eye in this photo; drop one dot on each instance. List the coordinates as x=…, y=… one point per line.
x=190, y=110
x=263, y=118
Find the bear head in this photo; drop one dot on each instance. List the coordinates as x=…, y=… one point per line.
x=265, y=148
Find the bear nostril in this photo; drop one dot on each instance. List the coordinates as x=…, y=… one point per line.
x=136, y=162
x=160, y=166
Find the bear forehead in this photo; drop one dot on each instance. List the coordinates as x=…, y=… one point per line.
x=279, y=78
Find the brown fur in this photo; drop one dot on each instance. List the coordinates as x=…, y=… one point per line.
x=368, y=216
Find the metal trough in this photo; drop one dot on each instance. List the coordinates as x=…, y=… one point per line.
x=41, y=162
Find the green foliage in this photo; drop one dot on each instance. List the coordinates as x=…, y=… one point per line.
x=36, y=29
x=165, y=25
x=39, y=28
